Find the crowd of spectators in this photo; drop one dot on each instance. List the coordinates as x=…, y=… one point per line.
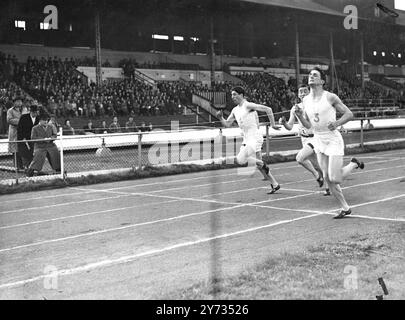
x=9, y=89
x=269, y=90
x=101, y=127
x=387, y=82
x=350, y=86
x=67, y=94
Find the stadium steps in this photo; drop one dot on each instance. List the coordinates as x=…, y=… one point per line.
x=385, y=87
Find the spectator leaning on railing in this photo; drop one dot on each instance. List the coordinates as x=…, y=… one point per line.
x=115, y=126
x=88, y=128
x=68, y=129
x=47, y=134
x=102, y=128
x=130, y=125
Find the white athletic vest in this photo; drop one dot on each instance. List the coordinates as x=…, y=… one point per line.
x=320, y=113
x=247, y=120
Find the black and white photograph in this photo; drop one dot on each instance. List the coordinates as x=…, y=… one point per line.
x=203, y=155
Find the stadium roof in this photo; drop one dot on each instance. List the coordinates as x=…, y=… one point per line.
x=307, y=5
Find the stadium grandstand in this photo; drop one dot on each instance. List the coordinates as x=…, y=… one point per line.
x=96, y=61
x=160, y=71
x=118, y=79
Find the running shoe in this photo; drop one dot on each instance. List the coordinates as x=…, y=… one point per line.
x=273, y=190
x=320, y=179
x=342, y=214
x=359, y=163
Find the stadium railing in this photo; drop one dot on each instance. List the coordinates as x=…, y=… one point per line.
x=84, y=155
x=366, y=108
x=94, y=154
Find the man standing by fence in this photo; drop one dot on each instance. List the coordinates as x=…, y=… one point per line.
x=24, y=128
x=13, y=117
x=47, y=134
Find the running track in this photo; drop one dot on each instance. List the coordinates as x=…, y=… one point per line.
x=145, y=238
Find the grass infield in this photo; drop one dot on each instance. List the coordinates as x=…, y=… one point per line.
x=346, y=270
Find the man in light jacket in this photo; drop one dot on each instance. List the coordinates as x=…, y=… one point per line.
x=13, y=117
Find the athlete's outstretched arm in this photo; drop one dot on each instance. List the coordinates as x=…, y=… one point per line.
x=290, y=123
x=302, y=115
x=226, y=122
x=263, y=108
x=335, y=101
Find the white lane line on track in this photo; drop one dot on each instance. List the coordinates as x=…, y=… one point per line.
x=130, y=258
x=201, y=200
x=231, y=174
x=115, y=210
x=126, y=259
x=190, y=179
x=136, y=185
x=378, y=201
x=155, y=183
x=220, y=183
x=47, y=197
x=149, y=204
x=331, y=212
x=232, y=206
x=205, y=185
x=120, y=228
x=396, y=154
x=217, y=194
x=394, y=158
x=65, y=204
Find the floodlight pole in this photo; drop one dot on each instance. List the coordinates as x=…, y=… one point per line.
x=98, y=45
x=212, y=50
x=362, y=63
x=332, y=62
x=297, y=55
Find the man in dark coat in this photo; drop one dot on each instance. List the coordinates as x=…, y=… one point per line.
x=24, y=128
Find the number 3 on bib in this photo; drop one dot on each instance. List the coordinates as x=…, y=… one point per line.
x=316, y=119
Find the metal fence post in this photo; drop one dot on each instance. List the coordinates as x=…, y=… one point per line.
x=62, y=162
x=267, y=141
x=221, y=141
x=139, y=151
x=198, y=112
x=16, y=165
x=361, y=134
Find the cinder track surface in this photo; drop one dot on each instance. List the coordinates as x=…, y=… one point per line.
x=142, y=239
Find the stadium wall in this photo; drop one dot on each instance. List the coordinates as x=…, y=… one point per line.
x=22, y=52
x=187, y=75
x=387, y=70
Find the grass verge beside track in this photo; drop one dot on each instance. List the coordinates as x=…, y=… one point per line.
x=345, y=270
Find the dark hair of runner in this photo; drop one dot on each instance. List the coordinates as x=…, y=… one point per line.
x=238, y=90
x=321, y=72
